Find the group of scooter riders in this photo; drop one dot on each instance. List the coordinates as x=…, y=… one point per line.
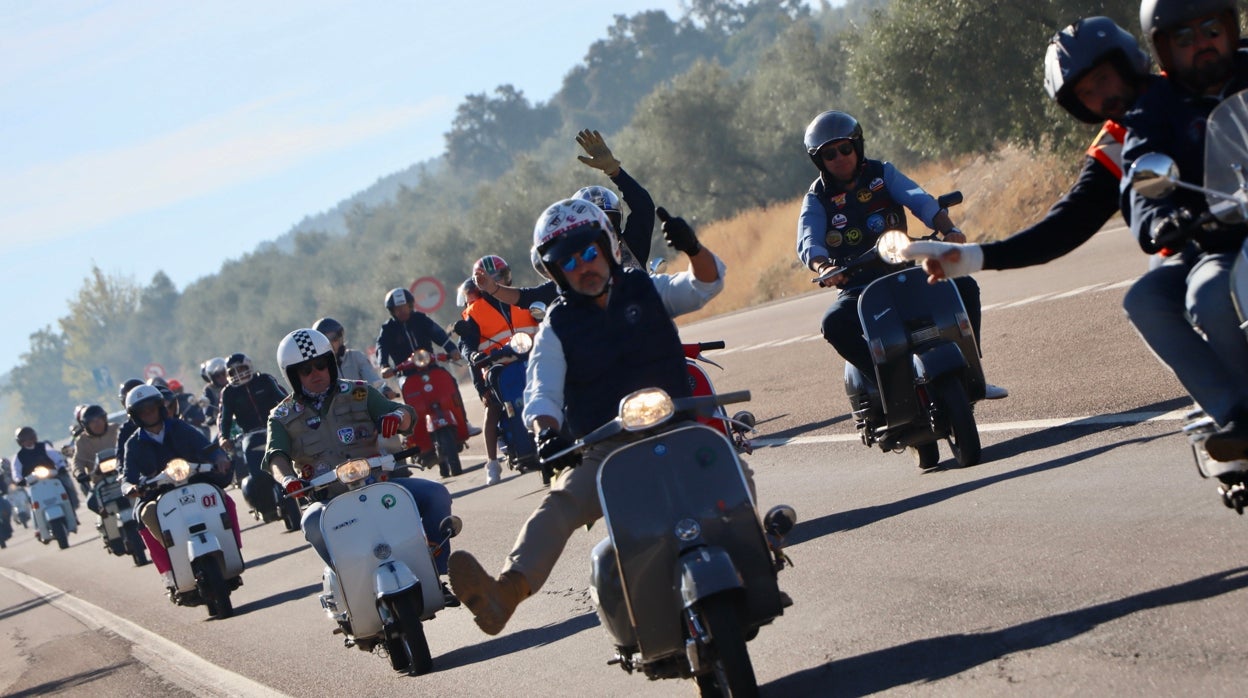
x=608, y=330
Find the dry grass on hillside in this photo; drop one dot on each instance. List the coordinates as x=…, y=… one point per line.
x=1003, y=192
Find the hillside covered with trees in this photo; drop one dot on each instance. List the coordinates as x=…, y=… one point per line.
x=706, y=110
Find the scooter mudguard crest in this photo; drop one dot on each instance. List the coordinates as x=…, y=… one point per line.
x=936, y=361
x=391, y=577
x=662, y=488
x=706, y=571
x=364, y=529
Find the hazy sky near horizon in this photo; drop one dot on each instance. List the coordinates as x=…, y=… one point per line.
x=143, y=135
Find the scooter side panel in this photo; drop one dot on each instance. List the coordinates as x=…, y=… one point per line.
x=191, y=506
x=646, y=488
x=354, y=524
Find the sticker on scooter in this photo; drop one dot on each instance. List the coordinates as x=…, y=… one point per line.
x=209, y=501
x=660, y=449
x=388, y=501
x=186, y=499
x=344, y=524
x=346, y=435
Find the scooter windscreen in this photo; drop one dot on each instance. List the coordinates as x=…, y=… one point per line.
x=1226, y=156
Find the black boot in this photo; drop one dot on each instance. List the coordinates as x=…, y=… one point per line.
x=1230, y=441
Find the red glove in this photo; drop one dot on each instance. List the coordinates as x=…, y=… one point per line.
x=294, y=484
x=389, y=425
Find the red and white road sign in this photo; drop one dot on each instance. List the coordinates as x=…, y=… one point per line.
x=153, y=371
x=429, y=294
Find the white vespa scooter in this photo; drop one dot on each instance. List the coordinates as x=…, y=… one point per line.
x=54, y=517
x=382, y=583
x=197, y=531
x=117, y=525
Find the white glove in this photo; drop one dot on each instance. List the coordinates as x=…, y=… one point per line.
x=970, y=261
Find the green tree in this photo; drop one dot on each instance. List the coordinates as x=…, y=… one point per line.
x=38, y=380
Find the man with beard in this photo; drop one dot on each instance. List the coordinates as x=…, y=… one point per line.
x=1183, y=307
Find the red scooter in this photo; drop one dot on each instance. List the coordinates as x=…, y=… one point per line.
x=735, y=427
x=433, y=392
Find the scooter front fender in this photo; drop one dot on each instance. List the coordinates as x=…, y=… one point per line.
x=707, y=571
x=201, y=545
x=937, y=361
x=53, y=512
x=392, y=577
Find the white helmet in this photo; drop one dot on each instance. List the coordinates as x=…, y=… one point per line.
x=143, y=394
x=210, y=367
x=566, y=227
x=304, y=345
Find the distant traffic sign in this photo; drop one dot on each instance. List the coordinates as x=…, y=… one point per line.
x=153, y=371
x=429, y=294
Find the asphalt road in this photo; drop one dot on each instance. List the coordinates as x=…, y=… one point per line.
x=1084, y=556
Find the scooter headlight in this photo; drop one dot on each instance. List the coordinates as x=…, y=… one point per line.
x=178, y=470
x=521, y=342
x=352, y=471
x=108, y=465
x=645, y=408
x=422, y=358
x=42, y=472
x=890, y=245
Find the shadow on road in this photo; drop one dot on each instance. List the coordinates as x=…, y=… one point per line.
x=857, y=518
x=276, y=556
x=515, y=642
x=278, y=599
x=802, y=429
x=69, y=682
x=19, y=608
x=937, y=658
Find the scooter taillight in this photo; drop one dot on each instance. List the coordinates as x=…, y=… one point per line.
x=877, y=350
x=34, y=505
x=964, y=324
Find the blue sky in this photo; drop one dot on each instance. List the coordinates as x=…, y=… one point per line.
x=173, y=135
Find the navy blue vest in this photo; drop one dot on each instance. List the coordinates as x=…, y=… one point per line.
x=632, y=344
x=857, y=216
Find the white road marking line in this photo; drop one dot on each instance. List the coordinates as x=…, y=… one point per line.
x=1029, y=425
x=167, y=658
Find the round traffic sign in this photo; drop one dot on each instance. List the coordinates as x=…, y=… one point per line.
x=429, y=294
x=153, y=371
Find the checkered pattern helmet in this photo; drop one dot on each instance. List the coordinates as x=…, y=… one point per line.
x=304, y=345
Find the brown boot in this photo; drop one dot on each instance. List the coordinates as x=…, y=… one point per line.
x=492, y=601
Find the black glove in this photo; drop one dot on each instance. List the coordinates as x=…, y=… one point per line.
x=1174, y=230
x=550, y=442
x=678, y=233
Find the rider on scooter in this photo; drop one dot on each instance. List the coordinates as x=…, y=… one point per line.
x=32, y=452
x=488, y=325
x=159, y=439
x=850, y=203
x=353, y=365
x=96, y=435
x=610, y=334
x=247, y=399
x=213, y=373
x=634, y=234
x=326, y=421
x=128, y=427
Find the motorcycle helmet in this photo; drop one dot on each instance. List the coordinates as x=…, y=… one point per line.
x=301, y=346
x=566, y=227
x=1159, y=16
x=144, y=395
x=832, y=126
x=212, y=367
x=89, y=413
x=25, y=433
x=399, y=296
x=536, y=260
x=125, y=389
x=1082, y=46
x=604, y=199
x=238, y=369
x=331, y=328
x=467, y=293
x=496, y=267
x=175, y=385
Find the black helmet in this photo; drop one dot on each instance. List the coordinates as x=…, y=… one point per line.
x=1083, y=46
x=398, y=296
x=88, y=413
x=238, y=368
x=1157, y=16
x=25, y=433
x=331, y=328
x=832, y=126
x=125, y=389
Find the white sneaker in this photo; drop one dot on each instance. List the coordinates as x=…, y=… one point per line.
x=168, y=577
x=493, y=472
x=994, y=392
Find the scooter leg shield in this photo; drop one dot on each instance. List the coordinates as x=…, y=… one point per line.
x=707, y=571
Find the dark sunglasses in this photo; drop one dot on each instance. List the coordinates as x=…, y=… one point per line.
x=1185, y=37
x=830, y=153
x=309, y=367
x=586, y=255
